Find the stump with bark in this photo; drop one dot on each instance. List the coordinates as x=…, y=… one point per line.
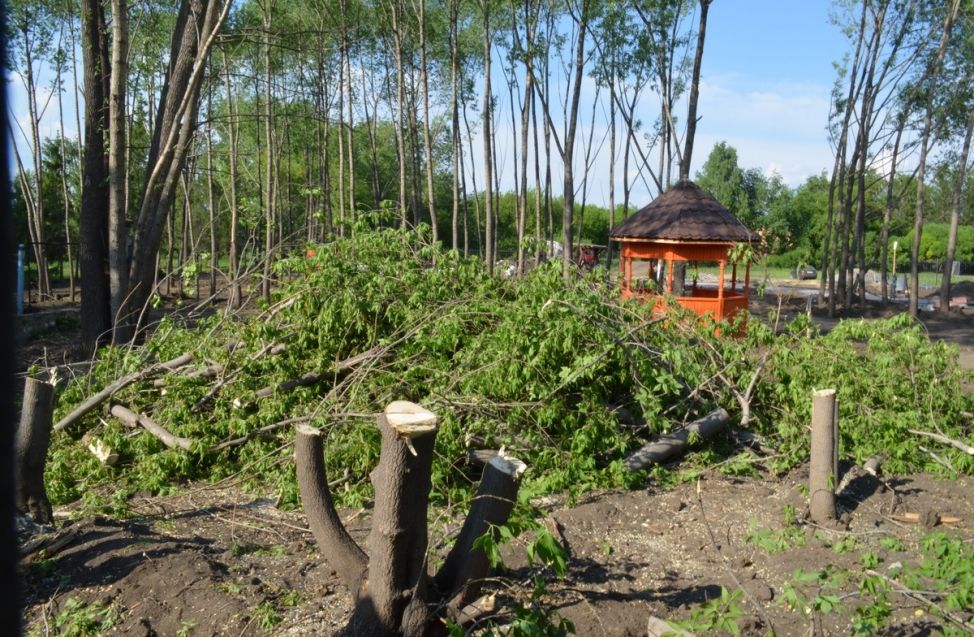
x=823, y=469
x=393, y=591
x=33, y=440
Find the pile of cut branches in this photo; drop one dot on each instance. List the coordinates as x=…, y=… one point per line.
x=567, y=378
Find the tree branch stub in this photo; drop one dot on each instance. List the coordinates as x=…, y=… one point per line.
x=339, y=549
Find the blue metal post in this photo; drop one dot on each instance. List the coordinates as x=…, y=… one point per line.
x=20, y=279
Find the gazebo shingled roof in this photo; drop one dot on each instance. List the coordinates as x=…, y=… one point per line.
x=685, y=212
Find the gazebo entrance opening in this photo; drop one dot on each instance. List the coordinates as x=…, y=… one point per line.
x=712, y=283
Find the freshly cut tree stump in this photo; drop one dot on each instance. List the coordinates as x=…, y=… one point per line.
x=393, y=592
x=823, y=472
x=33, y=440
x=677, y=443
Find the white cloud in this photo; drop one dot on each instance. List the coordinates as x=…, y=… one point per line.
x=777, y=128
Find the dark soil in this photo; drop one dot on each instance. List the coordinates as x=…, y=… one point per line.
x=217, y=561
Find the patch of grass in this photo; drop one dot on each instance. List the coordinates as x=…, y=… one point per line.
x=78, y=618
x=266, y=616
x=773, y=541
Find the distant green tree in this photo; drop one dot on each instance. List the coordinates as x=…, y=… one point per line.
x=723, y=178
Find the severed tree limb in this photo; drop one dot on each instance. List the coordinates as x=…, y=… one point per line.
x=133, y=419
x=311, y=378
x=900, y=588
x=233, y=442
x=957, y=444
x=117, y=386
x=204, y=372
x=461, y=576
x=339, y=549
x=678, y=442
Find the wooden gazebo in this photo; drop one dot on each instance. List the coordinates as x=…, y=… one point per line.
x=684, y=224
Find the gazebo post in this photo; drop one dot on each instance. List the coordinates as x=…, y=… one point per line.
x=734, y=277
x=747, y=278
x=622, y=269
x=720, y=286
x=669, y=275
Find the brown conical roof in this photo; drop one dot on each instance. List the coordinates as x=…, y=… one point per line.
x=685, y=212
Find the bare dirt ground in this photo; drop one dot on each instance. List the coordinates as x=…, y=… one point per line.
x=213, y=560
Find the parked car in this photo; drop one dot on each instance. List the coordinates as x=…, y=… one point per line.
x=804, y=272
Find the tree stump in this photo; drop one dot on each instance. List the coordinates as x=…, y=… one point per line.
x=393, y=592
x=824, y=457
x=33, y=440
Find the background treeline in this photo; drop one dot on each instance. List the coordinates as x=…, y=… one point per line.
x=217, y=136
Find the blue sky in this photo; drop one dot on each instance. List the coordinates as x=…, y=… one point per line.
x=765, y=89
x=767, y=75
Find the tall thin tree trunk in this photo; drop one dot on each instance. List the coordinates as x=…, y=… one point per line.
x=427, y=134
x=456, y=147
x=955, y=206
x=694, y=93
x=236, y=292
x=488, y=136
x=93, y=238
x=270, y=200
x=568, y=151
x=210, y=195
x=927, y=130
x=891, y=202
x=117, y=182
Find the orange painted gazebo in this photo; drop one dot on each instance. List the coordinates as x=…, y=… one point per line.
x=684, y=224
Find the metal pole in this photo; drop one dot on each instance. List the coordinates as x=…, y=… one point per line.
x=20, y=278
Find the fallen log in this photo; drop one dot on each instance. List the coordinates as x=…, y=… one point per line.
x=133, y=419
x=677, y=443
x=117, y=386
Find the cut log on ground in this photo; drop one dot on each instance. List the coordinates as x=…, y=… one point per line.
x=677, y=443
x=117, y=386
x=33, y=439
x=927, y=519
x=133, y=419
x=390, y=584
